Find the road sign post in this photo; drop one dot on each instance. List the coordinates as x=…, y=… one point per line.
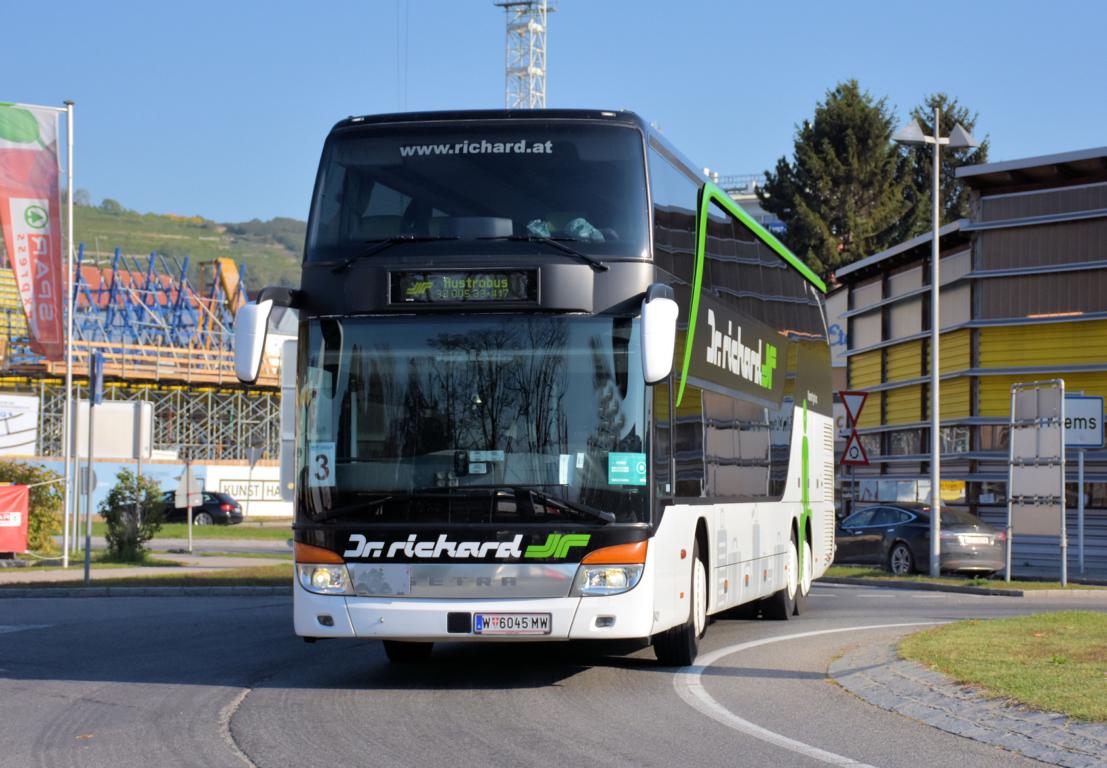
x=1083, y=430
x=95, y=397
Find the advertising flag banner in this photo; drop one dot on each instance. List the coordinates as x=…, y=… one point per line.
x=14, y=503
x=30, y=212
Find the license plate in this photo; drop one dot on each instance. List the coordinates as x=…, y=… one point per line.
x=511, y=623
x=976, y=539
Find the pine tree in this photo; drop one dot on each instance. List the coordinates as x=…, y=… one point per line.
x=844, y=195
x=953, y=194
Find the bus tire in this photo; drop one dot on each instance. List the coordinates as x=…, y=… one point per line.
x=405, y=652
x=679, y=646
x=804, y=587
x=782, y=604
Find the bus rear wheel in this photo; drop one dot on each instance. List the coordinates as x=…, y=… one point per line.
x=806, y=572
x=781, y=605
x=404, y=652
x=679, y=646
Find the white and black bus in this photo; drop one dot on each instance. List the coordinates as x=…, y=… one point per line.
x=552, y=384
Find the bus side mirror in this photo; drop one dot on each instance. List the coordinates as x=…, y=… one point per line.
x=659, y=325
x=250, y=324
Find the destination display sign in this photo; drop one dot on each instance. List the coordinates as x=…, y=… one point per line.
x=455, y=287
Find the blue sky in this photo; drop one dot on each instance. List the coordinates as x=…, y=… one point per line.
x=220, y=108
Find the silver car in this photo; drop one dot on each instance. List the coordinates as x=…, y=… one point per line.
x=897, y=537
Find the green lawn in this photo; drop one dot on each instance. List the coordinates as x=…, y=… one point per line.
x=862, y=572
x=240, y=531
x=99, y=561
x=1054, y=661
x=255, y=576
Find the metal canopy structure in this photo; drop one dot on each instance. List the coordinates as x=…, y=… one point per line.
x=525, y=62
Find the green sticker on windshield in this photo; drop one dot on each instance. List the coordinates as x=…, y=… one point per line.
x=626, y=469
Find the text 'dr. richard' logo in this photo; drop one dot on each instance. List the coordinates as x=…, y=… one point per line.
x=726, y=350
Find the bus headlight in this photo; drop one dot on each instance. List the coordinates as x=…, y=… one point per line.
x=324, y=579
x=321, y=571
x=595, y=580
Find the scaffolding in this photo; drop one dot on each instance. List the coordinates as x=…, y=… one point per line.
x=210, y=424
x=164, y=342
x=525, y=57
x=149, y=323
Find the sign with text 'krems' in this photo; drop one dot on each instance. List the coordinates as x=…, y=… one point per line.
x=1083, y=421
x=854, y=453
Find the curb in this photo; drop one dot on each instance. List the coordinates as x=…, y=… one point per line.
x=924, y=586
x=875, y=673
x=145, y=592
x=928, y=587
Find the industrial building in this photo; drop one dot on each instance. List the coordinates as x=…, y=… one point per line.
x=1023, y=298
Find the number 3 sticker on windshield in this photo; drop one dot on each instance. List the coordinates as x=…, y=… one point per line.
x=320, y=467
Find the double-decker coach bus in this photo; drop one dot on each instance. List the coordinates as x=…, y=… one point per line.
x=552, y=384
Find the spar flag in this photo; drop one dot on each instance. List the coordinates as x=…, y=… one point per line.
x=30, y=213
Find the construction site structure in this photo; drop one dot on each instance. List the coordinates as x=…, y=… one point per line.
x=525, y=56
x=163, y=341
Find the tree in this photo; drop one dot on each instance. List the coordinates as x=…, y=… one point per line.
x=953, y=194
x=133, y=513
x=842, y=197
x=44, y=516
x=114, y=207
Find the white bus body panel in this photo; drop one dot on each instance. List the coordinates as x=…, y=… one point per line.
x=747, y=545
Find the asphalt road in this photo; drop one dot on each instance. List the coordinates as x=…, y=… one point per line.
x=124, y=682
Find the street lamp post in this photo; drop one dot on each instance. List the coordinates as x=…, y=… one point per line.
x=959, y=138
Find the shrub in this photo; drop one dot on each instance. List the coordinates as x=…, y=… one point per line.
x=128, y=527
x=44, y=516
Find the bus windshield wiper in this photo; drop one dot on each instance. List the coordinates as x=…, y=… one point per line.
x=555, y=501
x=358, y=506
x=559, y=244
x=379, y=245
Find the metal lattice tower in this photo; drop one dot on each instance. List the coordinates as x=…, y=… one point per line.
x=525, y=63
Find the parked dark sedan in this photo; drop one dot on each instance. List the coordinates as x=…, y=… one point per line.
x=897, y=537
x=217, y=508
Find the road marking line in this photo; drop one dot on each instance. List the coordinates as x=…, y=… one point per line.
x=5, y=628
x=689, y=686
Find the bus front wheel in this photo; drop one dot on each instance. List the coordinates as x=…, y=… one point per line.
x=679, y=646
x=403, y=652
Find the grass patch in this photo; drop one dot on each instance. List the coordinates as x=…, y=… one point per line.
x=254, y=576
x=250, y=530
x=100, y=560
x=862, y=572
x=1053, y=661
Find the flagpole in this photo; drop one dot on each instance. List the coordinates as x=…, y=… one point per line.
x=67, y=437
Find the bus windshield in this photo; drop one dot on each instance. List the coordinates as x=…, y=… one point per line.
x=485, y=181
x=528, y=418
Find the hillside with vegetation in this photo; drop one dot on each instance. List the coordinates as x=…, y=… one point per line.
x=271, y=250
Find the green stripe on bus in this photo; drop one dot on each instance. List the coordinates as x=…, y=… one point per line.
x=708, y=193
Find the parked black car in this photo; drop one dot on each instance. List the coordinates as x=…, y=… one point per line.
x=897, y=537
x=216, y=509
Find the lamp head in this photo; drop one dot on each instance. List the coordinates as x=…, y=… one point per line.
x=960, y=138
x=910, y=134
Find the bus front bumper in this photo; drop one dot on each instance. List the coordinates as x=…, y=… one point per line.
x=616, y=617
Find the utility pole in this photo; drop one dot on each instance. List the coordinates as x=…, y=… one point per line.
x=525, y=59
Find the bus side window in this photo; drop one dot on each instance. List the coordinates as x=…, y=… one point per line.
x=688, y=443
x=661, y=450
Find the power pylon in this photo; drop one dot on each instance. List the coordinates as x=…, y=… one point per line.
x=525, y=62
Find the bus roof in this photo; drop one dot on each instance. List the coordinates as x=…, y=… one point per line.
x=616, y=116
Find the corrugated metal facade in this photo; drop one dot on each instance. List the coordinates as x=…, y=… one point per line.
x=1041, y=260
